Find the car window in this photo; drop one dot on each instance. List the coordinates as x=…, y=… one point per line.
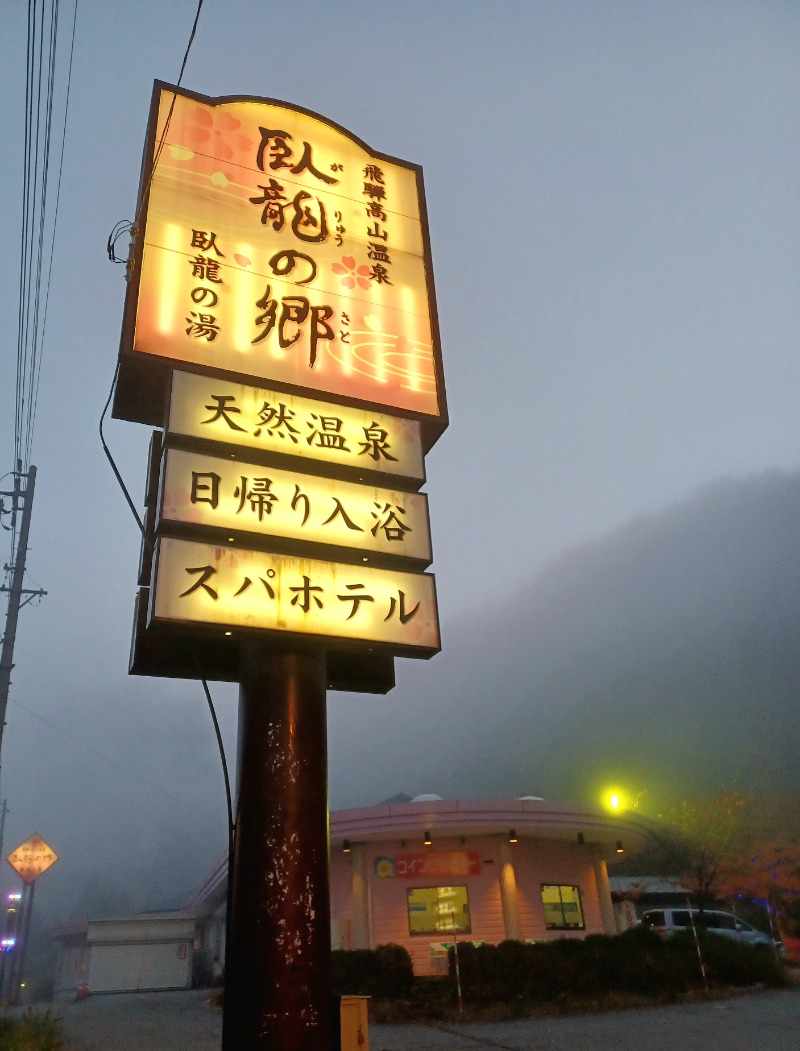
x=654, y=918
x=726, y=921
x=715, y=921
x=680, y=918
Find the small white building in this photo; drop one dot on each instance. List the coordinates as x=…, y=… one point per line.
x=152, y=951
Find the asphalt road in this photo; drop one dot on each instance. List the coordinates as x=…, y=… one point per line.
x=757, y=1021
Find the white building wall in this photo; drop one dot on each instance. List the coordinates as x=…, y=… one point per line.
x=128, y=968
x=140, y=953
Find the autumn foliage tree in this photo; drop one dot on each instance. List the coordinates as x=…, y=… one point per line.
x=709, y=839
x=767, y=871
x=730, y=847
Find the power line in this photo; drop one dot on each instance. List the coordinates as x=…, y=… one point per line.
x=39, y=220
x=34, y=397
x=123, y=226
x=107, y=759
x=118, y=230
x=39, y=213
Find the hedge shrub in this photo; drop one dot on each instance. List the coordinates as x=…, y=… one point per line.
x=384, y=973
x=637, y=962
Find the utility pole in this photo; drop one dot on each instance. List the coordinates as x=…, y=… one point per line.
x=19, y=497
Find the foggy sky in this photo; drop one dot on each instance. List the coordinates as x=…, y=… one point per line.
x=612, y=196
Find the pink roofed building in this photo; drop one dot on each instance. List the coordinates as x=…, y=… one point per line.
x=422, y=873
x=426, y=872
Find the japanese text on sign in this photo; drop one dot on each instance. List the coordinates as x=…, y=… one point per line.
x=233, y=587
x=211, y=491
x=32, y=858
x=354, y=440
x=429, y=866
x=275, y=244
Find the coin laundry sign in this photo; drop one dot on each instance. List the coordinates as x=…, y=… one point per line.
x=273, y=244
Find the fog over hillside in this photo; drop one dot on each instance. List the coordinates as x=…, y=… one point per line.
x=664, y=657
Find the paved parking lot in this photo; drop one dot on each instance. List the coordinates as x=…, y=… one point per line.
x=758, y=1021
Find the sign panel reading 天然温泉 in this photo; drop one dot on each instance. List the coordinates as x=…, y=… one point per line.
x=342, y=440
x=274, y=245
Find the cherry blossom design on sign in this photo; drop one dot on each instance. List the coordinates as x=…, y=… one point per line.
x=214, y=133
x=350, y=274
x=206, y=140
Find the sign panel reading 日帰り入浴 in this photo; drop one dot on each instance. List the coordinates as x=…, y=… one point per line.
x=274, y=245
x=200, y=491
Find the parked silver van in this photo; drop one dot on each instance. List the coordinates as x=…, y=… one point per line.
x=668, y=921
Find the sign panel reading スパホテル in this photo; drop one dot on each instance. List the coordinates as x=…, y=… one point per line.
x=284, y=595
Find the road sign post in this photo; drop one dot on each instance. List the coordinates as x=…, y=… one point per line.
x=29, y=860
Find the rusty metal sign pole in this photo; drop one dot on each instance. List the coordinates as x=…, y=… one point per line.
x=24, y=929
x=278, y=954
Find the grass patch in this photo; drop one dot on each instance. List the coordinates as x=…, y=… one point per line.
x=32, y=1032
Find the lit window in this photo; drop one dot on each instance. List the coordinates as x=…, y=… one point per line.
x=438, y=910
x=562, y=907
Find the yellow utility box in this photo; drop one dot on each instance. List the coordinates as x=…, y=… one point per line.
x=354, y=1023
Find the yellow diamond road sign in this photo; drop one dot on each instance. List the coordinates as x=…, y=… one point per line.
x=32, y=858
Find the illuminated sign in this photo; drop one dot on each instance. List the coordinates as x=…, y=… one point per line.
x=350, y=440
x=242, y=498
x=194, y=652
x=280, y=326
x=274, y=244
x=232, y=589
x=429, y=865
x=32, y=858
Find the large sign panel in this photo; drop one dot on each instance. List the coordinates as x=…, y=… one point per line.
x=280, y=326
x=338, y=439
x=272, y=244
x=283, y=595
x=248, y=500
